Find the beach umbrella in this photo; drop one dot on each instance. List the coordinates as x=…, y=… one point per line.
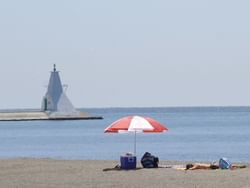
x=136, y=124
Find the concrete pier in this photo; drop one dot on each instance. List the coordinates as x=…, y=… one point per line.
x=40, y=115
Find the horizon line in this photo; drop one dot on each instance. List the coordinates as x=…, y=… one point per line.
x=113, y=107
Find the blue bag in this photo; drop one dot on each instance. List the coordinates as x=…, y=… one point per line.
x=224, y=163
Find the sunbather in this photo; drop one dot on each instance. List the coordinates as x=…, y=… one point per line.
x=205, y=166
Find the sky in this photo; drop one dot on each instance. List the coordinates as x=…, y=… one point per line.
x=133, y=53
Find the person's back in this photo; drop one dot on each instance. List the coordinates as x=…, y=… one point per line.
x=204, y=166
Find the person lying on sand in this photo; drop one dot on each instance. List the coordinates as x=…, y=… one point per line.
x=204, y=166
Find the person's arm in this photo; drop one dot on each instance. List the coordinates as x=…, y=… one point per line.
x=194, y=167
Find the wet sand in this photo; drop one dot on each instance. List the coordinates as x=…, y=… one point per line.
x=36, y=173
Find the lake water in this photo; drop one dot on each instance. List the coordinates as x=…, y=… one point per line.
x=195, y=133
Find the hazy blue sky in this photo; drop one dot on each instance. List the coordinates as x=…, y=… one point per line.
x=115, y=53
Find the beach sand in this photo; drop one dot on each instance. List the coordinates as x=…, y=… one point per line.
x=36, y=173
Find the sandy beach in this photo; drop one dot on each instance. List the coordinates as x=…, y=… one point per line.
x=30, y=173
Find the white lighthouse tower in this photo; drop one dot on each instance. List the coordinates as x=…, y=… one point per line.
x=55, y=102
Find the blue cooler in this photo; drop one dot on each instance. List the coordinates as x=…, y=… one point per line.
x=128, y=162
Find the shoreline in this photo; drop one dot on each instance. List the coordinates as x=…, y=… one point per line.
x=45, y=172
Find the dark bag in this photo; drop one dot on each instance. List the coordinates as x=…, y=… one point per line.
x=149, y=161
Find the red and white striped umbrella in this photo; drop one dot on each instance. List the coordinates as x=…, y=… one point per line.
x=136, y=124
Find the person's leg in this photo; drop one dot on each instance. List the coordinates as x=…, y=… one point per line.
x=238, y=166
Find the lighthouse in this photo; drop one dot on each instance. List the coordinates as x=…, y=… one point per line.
x=55, y=102
x=55, y=106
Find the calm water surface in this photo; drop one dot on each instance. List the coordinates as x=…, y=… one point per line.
x=203, y=134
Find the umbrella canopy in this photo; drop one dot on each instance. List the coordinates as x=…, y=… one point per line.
x=136, y=124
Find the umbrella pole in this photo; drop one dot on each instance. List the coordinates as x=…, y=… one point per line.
x=135, y=144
